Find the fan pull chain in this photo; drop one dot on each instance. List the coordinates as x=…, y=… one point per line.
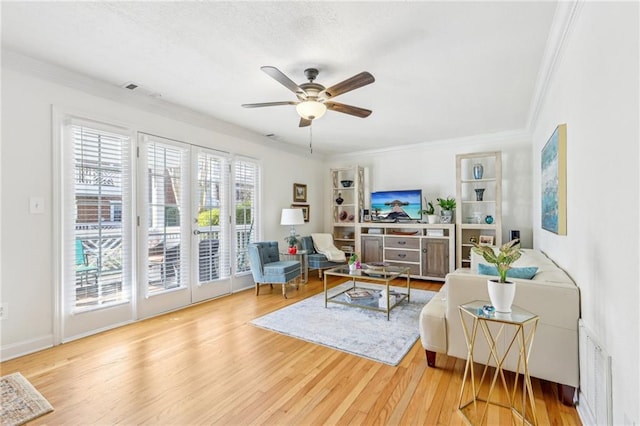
x=311, y=138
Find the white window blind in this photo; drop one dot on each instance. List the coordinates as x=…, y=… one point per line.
x=96, y=215
x=166, y=243
x=246, y=176
x=213, y=213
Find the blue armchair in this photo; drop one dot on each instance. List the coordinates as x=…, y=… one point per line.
x=267, y=268
x=316, y=260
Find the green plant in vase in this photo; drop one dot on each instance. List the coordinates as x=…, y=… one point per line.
x=501, y=292
x=429, y=211
x=292, y=241
x=508, y=253
x=447, y=205
x=354, y=262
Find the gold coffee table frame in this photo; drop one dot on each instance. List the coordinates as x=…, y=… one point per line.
x=385, y=275
x=525, y=324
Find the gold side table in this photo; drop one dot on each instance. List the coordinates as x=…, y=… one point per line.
x=502, y=332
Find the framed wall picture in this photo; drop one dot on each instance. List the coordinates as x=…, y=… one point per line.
x=299, y=193
x=486, y=240
x=305, y=210
x=553, y=176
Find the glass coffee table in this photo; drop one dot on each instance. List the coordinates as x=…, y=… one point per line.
x=365, y=297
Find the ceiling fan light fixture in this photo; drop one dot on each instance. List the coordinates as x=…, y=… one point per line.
x=311, y=110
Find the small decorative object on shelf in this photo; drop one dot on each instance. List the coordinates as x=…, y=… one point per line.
x=477, y=217
x=346, y=183
x=489, y=219
x=479, y=194
x=339, y=200
x=478, y=171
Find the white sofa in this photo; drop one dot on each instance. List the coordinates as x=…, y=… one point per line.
x=550, y=294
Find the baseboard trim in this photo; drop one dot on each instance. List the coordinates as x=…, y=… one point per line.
x=14, y=350
x=584, y=413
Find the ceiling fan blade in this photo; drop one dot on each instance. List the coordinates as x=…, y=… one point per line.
x=304, y=122
x=348, y=109
x=267, y=104
x=281, y=78
x=350, y=84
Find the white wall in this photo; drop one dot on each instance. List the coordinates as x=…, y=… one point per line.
x=432, y=168
x=594, y=89
x=26, y=282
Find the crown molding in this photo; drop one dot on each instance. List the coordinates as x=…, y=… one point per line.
x=74, y=80
x=563, y=21
x=508, y=136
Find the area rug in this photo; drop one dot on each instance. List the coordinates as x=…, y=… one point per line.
x=358, y=331
x=21, y=402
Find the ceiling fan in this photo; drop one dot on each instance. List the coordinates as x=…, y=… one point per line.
x=313, y=98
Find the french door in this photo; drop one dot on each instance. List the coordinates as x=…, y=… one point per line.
x=146, y=227
x=96, y=215
x=183, y=226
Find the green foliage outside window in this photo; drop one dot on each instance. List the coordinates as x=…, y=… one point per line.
x=211, y=217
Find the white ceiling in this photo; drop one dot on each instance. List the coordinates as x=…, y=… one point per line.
x=443, y=70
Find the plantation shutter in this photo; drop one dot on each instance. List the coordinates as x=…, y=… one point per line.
x=246, y=177
x=164, y=219
x=213, y=216
x=96, y=215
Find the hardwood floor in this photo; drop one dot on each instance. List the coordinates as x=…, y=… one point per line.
x=207, y=365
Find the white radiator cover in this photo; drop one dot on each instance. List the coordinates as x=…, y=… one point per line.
x=595, y=403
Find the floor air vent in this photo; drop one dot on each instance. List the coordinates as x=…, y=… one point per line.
x=595, y=380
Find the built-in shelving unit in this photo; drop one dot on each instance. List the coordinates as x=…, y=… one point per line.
x=346, y=214
x=427, y=250
x=477, y=216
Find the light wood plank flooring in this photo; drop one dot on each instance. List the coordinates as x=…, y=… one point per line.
x=207, y=365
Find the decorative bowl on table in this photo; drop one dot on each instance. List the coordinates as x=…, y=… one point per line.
x=376, y=266
x=346, y=183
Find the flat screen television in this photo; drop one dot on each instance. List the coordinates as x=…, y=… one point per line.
x=400, y=205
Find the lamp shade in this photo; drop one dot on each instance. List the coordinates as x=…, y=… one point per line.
x=291, y=217
x=311, y=110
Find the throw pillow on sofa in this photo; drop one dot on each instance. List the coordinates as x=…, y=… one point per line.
x=526, y=272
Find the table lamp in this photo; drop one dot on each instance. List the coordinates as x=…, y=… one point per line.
x=292, y=217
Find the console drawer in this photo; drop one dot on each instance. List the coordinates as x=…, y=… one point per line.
x=402, y=242
x=402, y=255
x=414, y=269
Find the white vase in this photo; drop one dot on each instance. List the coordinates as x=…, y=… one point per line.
x=432, y=218
x=352, y=267
x=501, y=295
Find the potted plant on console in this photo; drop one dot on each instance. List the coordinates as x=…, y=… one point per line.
x=430, y=212
x=501, y=291
x=447, y=205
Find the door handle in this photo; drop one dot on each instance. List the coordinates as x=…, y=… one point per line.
x=197, y=232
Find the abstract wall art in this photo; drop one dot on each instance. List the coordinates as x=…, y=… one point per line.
x=553, y=160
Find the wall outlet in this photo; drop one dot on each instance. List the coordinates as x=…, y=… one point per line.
x=4, y=311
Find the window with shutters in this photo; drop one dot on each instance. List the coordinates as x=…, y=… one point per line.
x=246, y=191
x=97, y=218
